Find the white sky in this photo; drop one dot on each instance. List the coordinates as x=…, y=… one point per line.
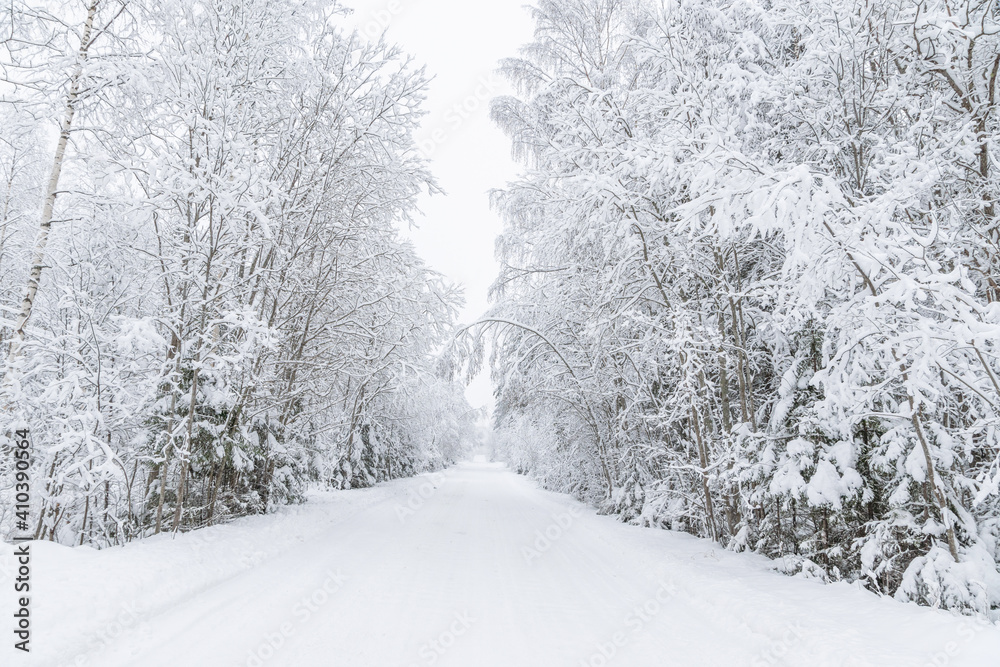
x=460, y=42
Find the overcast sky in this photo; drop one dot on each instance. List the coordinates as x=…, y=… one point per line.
x=460, y=42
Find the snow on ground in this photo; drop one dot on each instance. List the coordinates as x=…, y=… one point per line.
x=474, y=567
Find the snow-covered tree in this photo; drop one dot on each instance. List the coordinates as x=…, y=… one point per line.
x=751, y=264
x=227, y=312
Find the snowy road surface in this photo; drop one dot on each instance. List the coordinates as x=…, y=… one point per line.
x=474, y=568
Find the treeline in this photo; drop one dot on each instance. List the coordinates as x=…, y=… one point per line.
x=206, y=303
x=751, y=279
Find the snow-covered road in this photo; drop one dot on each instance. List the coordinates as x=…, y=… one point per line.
x=469, y=568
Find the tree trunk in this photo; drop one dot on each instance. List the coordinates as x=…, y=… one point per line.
x=52, y=190
x=703, y=458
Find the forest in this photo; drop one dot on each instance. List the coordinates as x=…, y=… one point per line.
x=750, y=282
x=206, y=302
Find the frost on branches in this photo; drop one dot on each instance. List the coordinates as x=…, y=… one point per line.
x=750, y=279
x=205, y=301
